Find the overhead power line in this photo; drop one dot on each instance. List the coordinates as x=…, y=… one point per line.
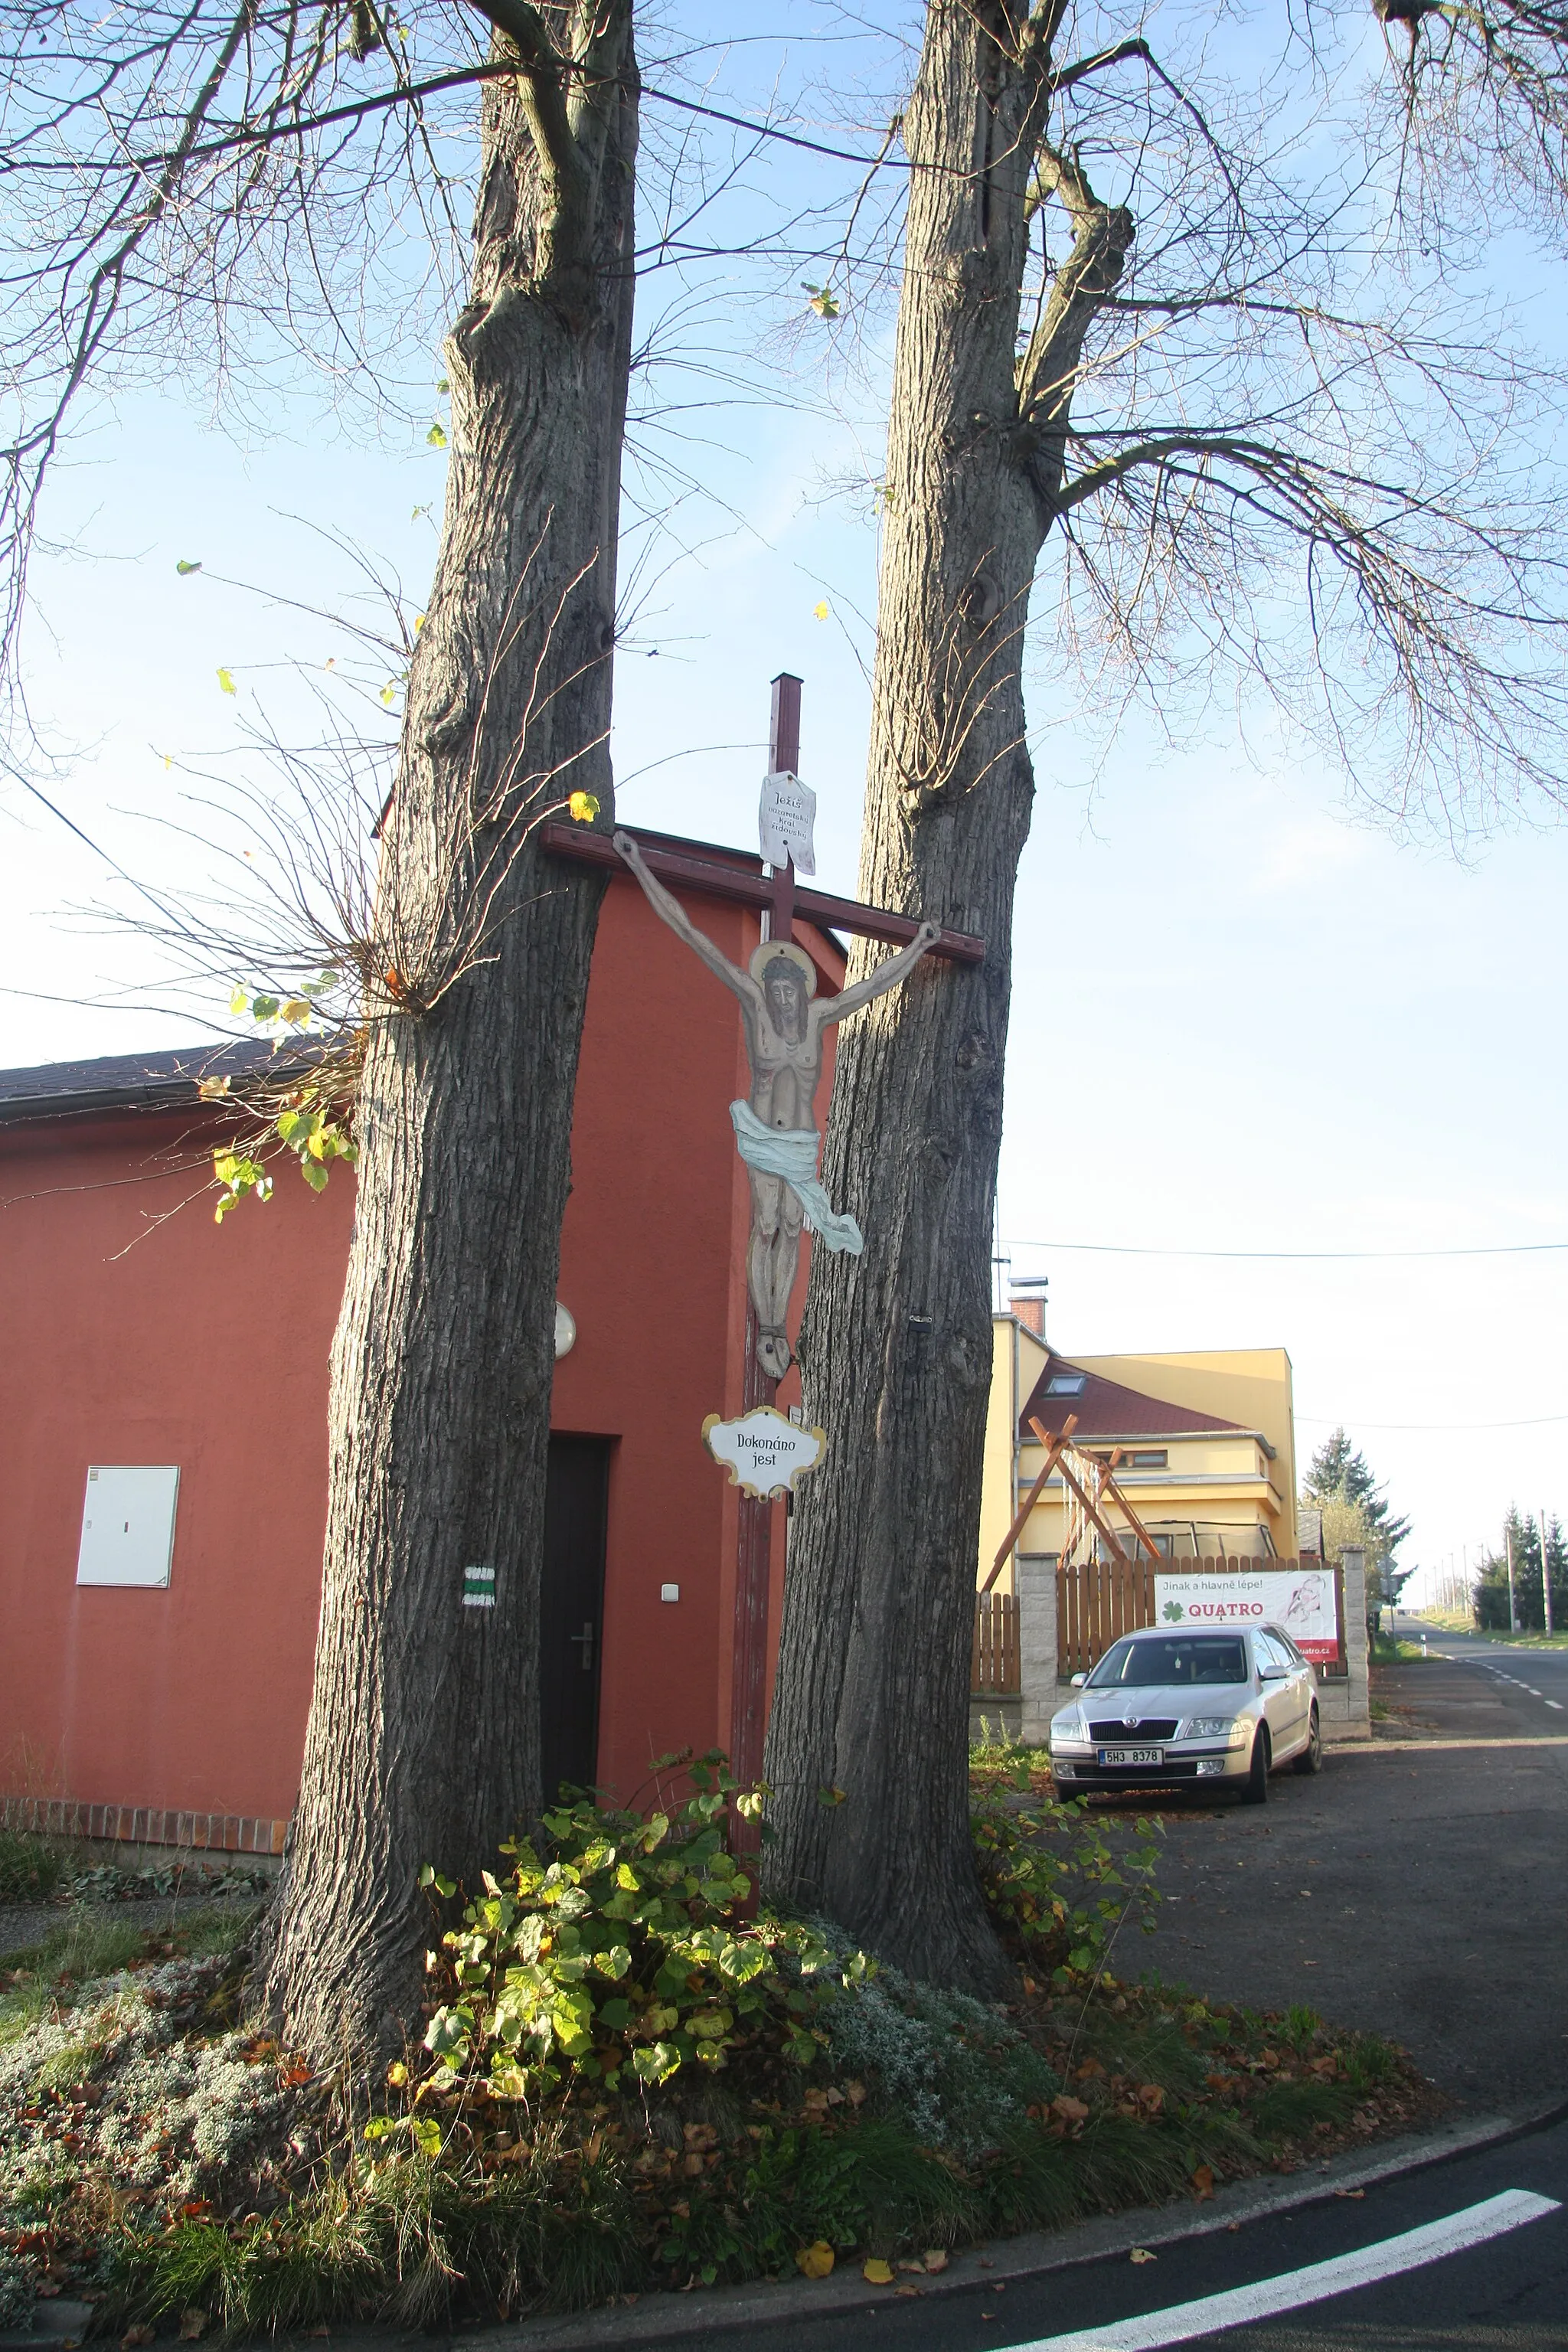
x=1139, y=1249
x=1353, y=1420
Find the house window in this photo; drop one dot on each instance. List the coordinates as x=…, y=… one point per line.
x=127, y=1524
x=1146, y=1457
x=1067, y=1384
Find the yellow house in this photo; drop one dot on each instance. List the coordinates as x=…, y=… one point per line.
x=1206, y=1441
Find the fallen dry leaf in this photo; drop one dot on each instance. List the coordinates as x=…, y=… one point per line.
x=193, y=2325
x=877, y=2273
x=1202, y=2181
x=1142, y=2254
x=140, y=2334
x=816, y=2261
x=936, y=2258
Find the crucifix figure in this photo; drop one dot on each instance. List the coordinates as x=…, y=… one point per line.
x=776, y=1130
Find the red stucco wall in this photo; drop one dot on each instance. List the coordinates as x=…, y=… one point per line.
x=208, y=1347
x=124, y=1340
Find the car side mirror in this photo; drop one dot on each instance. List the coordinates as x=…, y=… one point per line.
x=1078, y=1681
x=1270, y=1674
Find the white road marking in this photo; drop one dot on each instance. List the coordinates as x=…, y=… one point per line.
x=1556, y=1703
x=1181, y=2322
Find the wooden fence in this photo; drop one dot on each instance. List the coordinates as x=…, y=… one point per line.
x=994, y=1660
x=1099, y=1601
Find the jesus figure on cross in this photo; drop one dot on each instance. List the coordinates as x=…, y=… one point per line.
x=775, y=1130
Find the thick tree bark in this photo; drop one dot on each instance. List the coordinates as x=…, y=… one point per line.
x=423, y=1742
x=873, y=1682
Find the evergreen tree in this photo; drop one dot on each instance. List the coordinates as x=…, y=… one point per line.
x=1339, y=1468
x=1522, y=1535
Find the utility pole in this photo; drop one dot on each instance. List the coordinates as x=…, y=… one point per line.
x=1545, y=1573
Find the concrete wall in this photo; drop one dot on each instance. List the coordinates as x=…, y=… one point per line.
x=1345, y=1707
x=1037, y=1648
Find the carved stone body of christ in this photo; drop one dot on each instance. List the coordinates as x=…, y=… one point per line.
x=776, y=1130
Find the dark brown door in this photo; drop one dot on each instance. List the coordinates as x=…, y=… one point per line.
x=571, y=1607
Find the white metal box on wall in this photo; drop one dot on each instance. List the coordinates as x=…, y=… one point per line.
x=127, y=1524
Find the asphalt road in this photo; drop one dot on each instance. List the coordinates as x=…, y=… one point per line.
x=1415, y=1889
x=1507, y=2294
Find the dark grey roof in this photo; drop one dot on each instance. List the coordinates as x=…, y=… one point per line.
x=126, y=1081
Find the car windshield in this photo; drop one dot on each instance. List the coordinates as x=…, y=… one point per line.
x=1172, y=1658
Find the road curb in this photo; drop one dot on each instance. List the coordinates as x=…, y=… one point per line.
x=719, y=2311
x=1033, y=2254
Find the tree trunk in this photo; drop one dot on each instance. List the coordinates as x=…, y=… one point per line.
x=423, y=1743
x=872, y=1693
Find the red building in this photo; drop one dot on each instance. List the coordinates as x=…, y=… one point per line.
x=139, y=1333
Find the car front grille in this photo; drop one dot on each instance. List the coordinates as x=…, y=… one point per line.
x=1150, y=1726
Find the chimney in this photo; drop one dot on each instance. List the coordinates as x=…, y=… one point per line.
x=1028, y=1303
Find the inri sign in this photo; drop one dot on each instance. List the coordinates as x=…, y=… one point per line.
x=763, y=1453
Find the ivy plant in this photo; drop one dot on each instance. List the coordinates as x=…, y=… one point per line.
x=624, y=1953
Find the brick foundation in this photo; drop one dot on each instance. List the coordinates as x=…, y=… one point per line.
x=144, y=1825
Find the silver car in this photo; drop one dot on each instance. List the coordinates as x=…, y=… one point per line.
x=1165, y=1710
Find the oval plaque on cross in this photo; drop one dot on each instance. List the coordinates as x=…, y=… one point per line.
x=764, y=1452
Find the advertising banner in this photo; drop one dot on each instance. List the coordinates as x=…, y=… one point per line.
x=1300, y=1599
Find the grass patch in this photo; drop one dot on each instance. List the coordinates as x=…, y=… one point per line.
x=996, y=1759
x=1518, y=1641
x=32, y=1869
x=628, y=2082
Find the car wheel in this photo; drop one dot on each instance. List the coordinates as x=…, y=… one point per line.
x=1311, y=1760
x=1257, y=1790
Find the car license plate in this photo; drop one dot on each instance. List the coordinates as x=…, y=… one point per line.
x=1132, y=1755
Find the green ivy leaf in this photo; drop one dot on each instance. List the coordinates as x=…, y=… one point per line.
x=184, y=569
x=656, y=2065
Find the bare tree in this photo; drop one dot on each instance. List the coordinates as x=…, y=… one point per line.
x=256, y=187
x=1476, y=98
x=1129, y=332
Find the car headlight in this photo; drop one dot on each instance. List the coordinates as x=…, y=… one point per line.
x=1069, y=1726
x=1216, y=1726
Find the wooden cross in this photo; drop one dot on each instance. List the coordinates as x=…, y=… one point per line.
x=783, y=759
x=776, y=895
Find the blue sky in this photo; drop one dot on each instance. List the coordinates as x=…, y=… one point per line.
x=1242, y=1019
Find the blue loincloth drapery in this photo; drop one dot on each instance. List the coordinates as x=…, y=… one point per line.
x=791, y=1153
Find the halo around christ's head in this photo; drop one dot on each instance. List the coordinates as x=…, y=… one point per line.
x=784, y=951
